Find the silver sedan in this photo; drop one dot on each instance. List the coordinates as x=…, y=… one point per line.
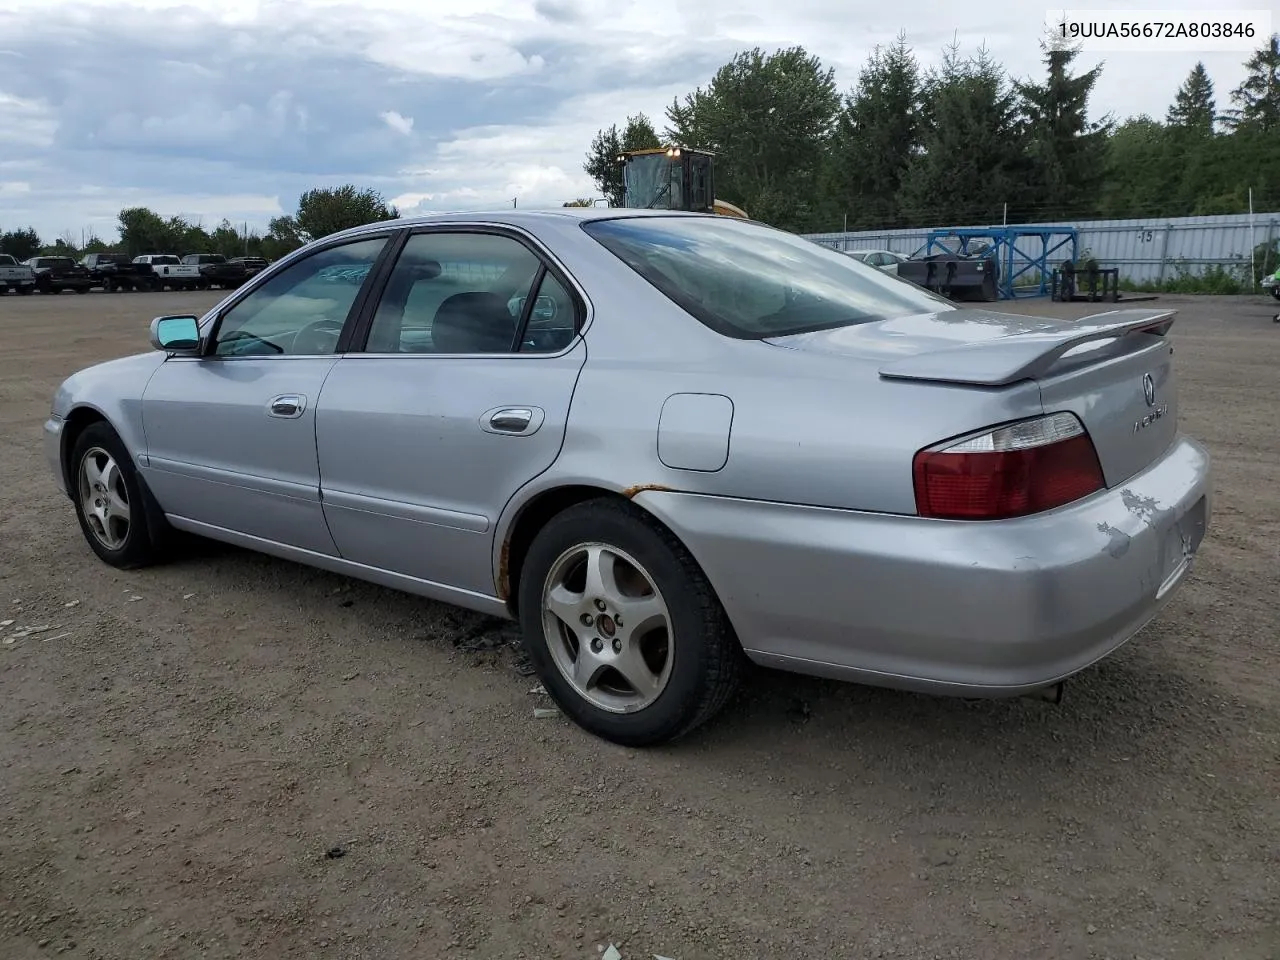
x=665, y=444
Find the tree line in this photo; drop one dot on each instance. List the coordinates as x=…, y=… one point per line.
x=962, y=142
x=320, y=212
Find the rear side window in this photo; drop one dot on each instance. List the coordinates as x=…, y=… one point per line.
x=749, y=281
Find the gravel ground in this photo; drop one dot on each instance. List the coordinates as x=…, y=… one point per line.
x=234, y=756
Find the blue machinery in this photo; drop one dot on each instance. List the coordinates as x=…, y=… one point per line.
x=1009, y=246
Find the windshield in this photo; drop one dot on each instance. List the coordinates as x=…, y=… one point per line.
x=749, y=281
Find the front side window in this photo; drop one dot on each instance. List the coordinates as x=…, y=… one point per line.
x=303, y=308
x=749, y=281
x=466, y=293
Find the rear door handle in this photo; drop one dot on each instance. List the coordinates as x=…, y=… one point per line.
x=288, y=406
x=512, y=421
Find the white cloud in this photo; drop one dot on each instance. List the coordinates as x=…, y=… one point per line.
x=397, y=121
x=26, y=123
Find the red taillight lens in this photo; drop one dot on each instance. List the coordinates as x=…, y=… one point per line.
x=1011, y=471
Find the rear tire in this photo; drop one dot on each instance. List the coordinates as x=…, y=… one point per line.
x=654, y=620
x=113, y=507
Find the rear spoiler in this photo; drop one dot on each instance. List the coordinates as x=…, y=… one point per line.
x=1027, y=356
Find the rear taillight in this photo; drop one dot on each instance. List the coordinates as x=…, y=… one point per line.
x=1011, y=471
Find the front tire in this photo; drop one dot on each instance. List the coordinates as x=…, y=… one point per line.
x=110, y=501
x=622, y=626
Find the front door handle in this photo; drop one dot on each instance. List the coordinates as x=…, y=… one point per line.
x=288, y=406
x=512, y=421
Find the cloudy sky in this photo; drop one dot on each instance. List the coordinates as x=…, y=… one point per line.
x=234, y=107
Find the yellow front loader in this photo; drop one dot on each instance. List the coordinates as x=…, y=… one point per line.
x=673, y=178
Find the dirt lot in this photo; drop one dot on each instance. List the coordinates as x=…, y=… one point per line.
x=182, y=746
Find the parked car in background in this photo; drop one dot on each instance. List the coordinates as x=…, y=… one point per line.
x=55, y=274
x=252, y=265
x=217, y=271
x=1271, y=284
x=166, y=270
x=631, y=432
x=15, y=276
x=115, y=271
x=885, y=260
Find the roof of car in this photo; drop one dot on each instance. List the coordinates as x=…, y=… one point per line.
x=515, y=217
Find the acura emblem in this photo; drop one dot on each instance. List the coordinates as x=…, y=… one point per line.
x=1149, y=389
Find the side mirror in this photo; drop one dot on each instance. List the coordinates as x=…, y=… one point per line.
x=176, y=334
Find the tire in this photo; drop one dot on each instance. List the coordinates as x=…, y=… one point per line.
x=128, y=545
x=1275, y=292
x=683, y=688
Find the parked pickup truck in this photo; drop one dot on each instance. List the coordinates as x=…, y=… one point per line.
x=217, y=271
x=55, y=274
x=166, y=270
x=15, y=276
x=113, y=271
x=252, y=265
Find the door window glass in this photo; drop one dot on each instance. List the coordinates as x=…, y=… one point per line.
x=553, y=321
x=302, y=309
x=454, y=293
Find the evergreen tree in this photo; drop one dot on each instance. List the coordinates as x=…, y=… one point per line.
x=1257, y=100
x=971, y=161
x=1194, y=109
x=876, y=139
x=1068, y=153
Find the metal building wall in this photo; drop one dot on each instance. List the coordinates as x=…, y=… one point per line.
x=1144, y=250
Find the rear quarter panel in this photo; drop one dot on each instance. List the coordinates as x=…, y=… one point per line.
x=805, y=428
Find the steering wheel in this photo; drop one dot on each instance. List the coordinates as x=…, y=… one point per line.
x=318, y=337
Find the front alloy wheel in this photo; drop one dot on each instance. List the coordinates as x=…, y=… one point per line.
x=104, y=498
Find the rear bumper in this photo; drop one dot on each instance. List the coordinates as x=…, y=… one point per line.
x=977, y=609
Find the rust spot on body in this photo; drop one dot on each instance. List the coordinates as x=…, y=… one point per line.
x=504, y=571
x=632, y=492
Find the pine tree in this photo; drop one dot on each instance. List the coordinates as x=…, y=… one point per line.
x=971, y=161
x=1257, y=100
x=1068, y=154
x=1194, y=109
x=876, y=138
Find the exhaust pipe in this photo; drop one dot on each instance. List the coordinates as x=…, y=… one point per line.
x=1051, y=694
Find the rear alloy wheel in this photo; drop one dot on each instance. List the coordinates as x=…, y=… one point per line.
x=623, y=627
x=109, y=500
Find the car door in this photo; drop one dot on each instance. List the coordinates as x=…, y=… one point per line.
x=231, y=434
x=459, y=398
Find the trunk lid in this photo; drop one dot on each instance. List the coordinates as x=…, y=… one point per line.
x=1113, y=370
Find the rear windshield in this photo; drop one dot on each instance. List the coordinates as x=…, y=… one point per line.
x=749, y=281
